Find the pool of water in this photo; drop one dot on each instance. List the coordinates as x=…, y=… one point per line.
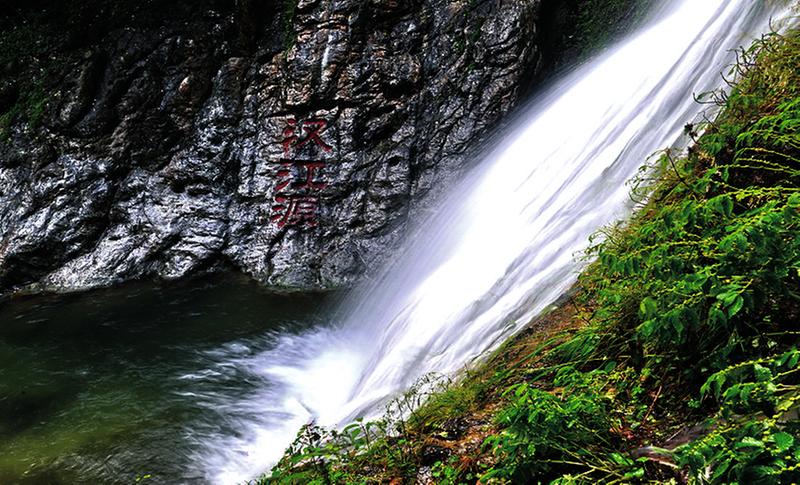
x=114, y=385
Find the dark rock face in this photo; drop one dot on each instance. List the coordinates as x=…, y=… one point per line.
x=293, y=141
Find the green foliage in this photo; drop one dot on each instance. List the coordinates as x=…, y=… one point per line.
x=756, y=438
x=448, y=473
x=29, y=108
x=22, y=44
x=362, y=452
x=562, y=432
x=315, y=453
x=289, y=12
x=27, y=51
x=5, y=123
x=708, y=266
x=451, y=400
x=599, y=22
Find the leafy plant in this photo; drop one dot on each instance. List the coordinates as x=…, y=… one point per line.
x=754, y=437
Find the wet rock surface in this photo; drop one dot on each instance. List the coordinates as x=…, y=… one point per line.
x=294, y=141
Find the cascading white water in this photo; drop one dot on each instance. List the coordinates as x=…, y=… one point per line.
x=501, y=247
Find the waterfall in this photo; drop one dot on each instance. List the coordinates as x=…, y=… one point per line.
x=502, y=246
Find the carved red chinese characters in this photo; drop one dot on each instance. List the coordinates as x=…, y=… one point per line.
x=295, y=210
x=298, y=134
x=299, y=181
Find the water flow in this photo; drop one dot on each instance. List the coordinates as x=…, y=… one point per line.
x=503, y=245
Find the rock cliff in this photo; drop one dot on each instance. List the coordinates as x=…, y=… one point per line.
x=292, y=140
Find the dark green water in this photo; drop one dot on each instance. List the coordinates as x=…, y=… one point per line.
x=108, y=386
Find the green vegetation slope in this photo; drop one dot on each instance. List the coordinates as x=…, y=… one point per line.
x=677, y=358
